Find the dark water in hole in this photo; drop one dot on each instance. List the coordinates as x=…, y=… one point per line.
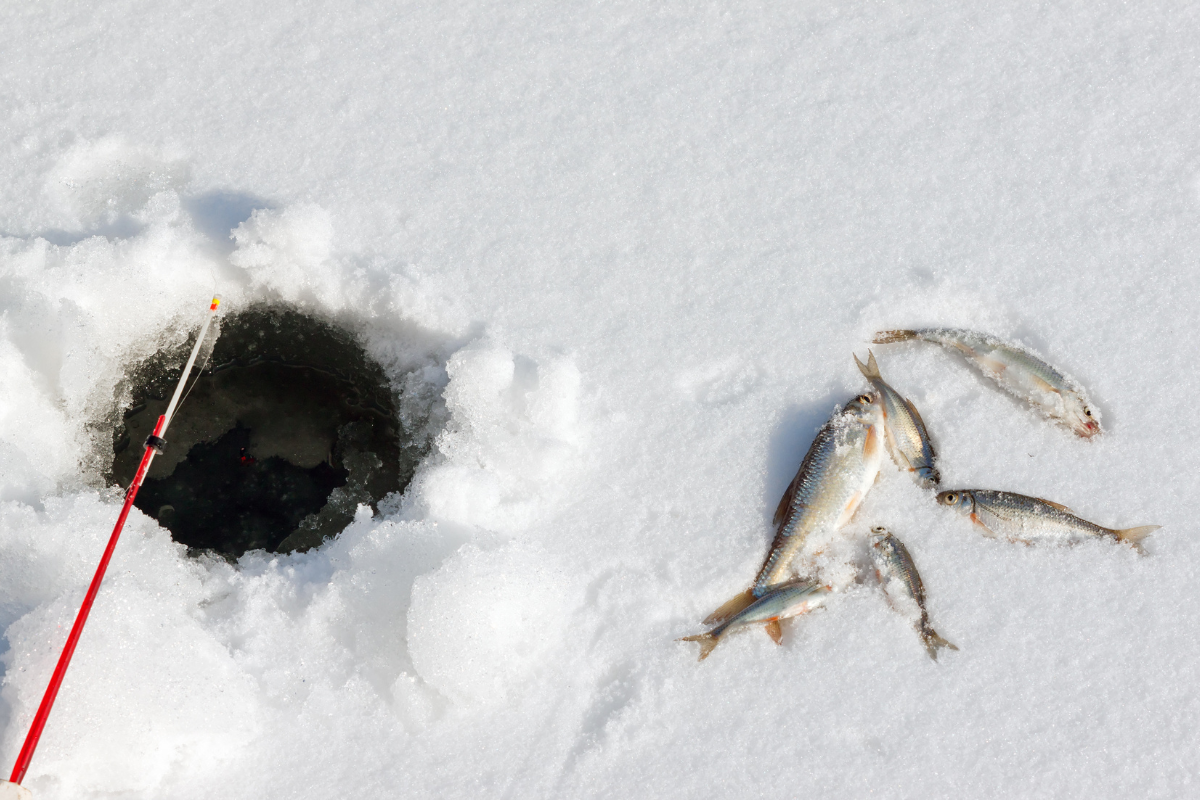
x=288, y=430
x=221, y=498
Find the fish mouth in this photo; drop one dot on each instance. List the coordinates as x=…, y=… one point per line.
x=1089, y=429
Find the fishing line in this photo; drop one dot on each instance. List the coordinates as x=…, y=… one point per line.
x=154, y=444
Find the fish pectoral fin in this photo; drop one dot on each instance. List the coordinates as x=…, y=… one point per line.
x=730, y=607
x=975, y=518
x=894, y=450
x=991, y=366
x=1044, y=385
x=1053, y=504
x=774, y=631
x=849, y=509
x=871, y=443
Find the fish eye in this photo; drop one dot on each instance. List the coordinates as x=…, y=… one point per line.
x=949, y=498
x=878, y=529
x=865, y=399
x=1087, y=411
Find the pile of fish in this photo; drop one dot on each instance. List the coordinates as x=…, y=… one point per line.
x=844, y=461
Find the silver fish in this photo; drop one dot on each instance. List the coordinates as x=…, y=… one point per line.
x=838, y=471
x=1018, y=371
x=786, y=600
x=1019, y=518
x=902, y=584
x=906, y=433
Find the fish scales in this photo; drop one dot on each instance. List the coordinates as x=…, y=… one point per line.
x=1016, y=369
x=1021, y=518
x=787, y=600
x=911, y=446
x=902, y=584
x=838, y=470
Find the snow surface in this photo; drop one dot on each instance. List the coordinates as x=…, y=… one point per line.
x=619, y=255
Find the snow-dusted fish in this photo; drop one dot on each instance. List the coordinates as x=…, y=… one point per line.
x=1018, y=371
x=838, y=471
x=906, y=434
x=787, y=600
x=1019, y=518
x=902, y=584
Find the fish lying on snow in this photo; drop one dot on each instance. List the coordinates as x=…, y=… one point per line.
x=1018, y=371
x=902, y=584
x=786, y=600
x=1030, y=519
x=907, y=437
x=838, y=471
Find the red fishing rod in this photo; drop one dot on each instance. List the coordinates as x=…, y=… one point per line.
x=11, y=789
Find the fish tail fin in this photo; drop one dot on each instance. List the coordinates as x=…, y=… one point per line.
x=934, y=642
x=870, y=370
x=1134, y=536
x=888, y=337
x=706, y=641
x=730, y=607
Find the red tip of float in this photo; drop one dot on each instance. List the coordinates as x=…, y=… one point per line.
x=216, y=301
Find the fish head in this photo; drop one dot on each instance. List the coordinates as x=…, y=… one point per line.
x=928, y=477
x=883, y=546
x=866, y=408
x=1080, y=415
x=961, y=501
x=878, y=536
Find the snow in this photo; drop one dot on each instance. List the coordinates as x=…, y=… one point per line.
x=618, y=258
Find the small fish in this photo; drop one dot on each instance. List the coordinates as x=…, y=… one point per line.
x=902, y=584
x=906, y=434
x=1018, y=371
x=786, y=600
x=1030, y=519
x=838, y=471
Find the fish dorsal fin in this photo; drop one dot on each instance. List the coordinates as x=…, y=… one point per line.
x=1053, y=504
x=916, y=414
x=786, y=501
x=774, y=631
x=731, y=606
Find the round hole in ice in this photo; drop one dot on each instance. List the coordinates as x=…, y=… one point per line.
x=289, y=428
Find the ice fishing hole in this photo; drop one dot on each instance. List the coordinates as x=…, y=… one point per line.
x=289, y=428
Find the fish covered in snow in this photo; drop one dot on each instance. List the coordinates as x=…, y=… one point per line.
x=790, y=599
x=903, y=587
x=908, y=440
x=1019, y=518
x=1018, y=371
x=841, y=466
